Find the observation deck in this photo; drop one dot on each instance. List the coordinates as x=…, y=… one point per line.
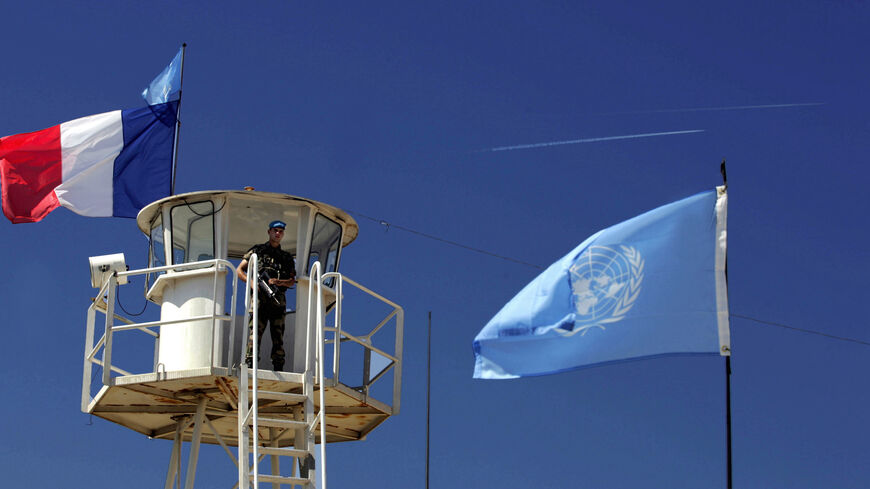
x=181, y=376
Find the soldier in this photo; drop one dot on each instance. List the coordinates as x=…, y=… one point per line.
x=280, y=273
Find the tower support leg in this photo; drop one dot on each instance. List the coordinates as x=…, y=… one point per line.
x=194, y=444
x=176, y=455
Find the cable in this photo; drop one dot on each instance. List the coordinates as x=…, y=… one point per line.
x=780, y=325
x=389, y=225
x=118, y=301
x=453, y=243
x=190, y=207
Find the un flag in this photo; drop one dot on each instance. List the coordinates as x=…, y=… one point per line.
x=653, y=285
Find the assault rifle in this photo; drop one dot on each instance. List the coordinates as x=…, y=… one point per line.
x=263, y=281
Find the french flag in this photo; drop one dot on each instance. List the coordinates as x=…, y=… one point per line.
x=104, y=165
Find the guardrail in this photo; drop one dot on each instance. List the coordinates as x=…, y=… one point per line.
x=366, y=341
x=93, y=350
x=315, y=295
x=104, y=344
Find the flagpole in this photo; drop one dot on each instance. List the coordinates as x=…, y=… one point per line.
x=727, y=362
x=428, y=383
x=728, y=411
x=177, y=122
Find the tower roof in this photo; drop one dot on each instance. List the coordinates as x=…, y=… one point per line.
x=251, y=211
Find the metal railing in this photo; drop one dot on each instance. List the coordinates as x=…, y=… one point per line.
x=313, y=375
x=104, y=344
x=252, y=295
x=365, y=341
x=115, y=323
x=315, y=337
x=315, y=286
x=99, y=351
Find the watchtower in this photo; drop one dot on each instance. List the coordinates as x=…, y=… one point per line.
x=191, y=383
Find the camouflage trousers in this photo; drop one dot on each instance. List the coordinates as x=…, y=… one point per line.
x=275, y=317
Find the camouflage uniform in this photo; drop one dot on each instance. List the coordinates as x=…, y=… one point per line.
x=279, y=264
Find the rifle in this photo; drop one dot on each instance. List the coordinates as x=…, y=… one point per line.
x=263, y=281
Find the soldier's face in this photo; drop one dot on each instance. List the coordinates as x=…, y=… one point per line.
x=276, y=235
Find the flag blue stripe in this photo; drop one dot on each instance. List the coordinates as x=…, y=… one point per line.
x=143, y=169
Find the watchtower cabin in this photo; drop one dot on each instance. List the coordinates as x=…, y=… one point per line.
x=183, y=377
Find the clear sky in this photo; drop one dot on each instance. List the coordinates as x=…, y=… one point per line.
x=383, y=109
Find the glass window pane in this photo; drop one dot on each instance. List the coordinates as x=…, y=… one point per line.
x=325, y=242
x=192, y=232
x=201, y=242
x=331, y=256
x=312, y=257
x=158, y=252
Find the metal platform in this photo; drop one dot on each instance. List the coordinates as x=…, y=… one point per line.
x=152, y=404
x=190, y=389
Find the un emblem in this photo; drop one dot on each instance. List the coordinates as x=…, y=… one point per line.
x=605, y=282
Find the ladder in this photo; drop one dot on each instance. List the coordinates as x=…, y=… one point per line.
x=253, y=443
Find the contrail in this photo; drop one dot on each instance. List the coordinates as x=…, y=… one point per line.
x=710, y=109
x=592, y=140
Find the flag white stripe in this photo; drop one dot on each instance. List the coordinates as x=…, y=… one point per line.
x=89, y=146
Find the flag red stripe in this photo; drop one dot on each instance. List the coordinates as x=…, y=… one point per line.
x=30, y=169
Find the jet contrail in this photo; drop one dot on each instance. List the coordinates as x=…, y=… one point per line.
x=709, y=109
x=592, y=140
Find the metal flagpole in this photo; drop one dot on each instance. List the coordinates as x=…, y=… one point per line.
x=727, y=361
x=728, y=411
x=428, y=382
x=177, y=122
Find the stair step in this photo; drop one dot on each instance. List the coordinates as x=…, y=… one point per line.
x=279, y=423
x=285, y=452
x=281, y=396
x=280, y=479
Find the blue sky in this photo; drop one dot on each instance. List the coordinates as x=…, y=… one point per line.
x=383, y=109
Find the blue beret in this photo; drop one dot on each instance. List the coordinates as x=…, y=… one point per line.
x=277, y=224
